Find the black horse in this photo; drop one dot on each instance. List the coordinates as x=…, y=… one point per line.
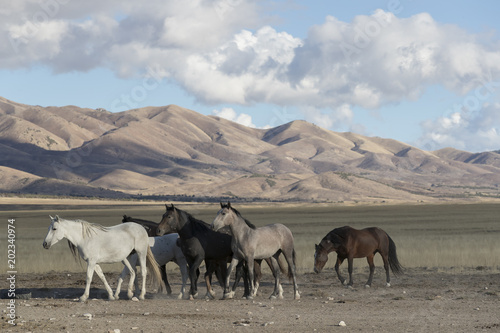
x=150, y=226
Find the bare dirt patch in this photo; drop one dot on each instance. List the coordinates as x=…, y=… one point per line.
x=423, y=300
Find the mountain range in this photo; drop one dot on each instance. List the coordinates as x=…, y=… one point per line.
x=171, y=151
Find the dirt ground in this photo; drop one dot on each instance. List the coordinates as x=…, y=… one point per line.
x=422, y=300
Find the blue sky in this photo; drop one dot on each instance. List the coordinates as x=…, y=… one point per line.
x=423, y=72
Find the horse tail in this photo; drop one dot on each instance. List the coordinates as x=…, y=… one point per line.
x=396, y=267
x=154, y=268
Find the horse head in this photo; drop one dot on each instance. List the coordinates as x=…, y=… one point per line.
x=320, y=258
x=169, y=221
x=55, y=233
x=224, y=216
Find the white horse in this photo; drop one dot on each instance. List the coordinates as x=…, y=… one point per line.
x=97, y=244
x=165, y=249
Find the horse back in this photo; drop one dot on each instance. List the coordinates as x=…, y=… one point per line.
x=267, y=240
x=359, y=243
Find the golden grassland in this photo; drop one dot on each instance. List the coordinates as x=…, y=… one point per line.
x=442, y=236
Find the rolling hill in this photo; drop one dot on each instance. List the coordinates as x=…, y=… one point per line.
x=173, y=151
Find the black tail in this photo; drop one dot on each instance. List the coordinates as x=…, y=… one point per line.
x=396, y=267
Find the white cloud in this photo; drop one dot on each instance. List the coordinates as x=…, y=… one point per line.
x=230, y=114
x=220, y=51
x=466, y=130
x=338, y=119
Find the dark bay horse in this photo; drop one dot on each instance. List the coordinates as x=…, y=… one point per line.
x=250, y=243
x=150, y=226
x=350, y=243
x=198, y=243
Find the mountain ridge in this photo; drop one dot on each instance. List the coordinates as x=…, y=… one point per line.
x=170, y=150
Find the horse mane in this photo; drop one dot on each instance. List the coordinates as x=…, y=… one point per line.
x=89, y=229
x=195, y=223
x=250, y=224
x=342, y=232
x=74, y=252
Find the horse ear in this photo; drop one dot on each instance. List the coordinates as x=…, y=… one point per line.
x=172, y=205
x=221, y=205
x=228, y=204
x=166, y=207
x=56, y=218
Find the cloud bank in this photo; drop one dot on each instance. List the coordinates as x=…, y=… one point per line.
x=223, y=52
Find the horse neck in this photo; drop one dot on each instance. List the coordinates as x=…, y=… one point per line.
x=184, y=224
x=239, y=226
x=73, y=231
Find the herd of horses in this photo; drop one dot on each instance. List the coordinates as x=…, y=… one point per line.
x=230, y=238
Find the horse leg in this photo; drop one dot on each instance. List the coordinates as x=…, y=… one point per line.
x=144, y=272
x=238, y=275
x=163, y=271
x=90, y=273
x=232, y=265
x=184, y=274
x=99, y=272
x=372, y=269
x=251, y=263
x=276, y=272
x=211, y=267
x=258, y=273
x=337, y=270
x=290, y=259
x=193, y=275
x=386, y=267
x=120, y=281
x=349, y=269
x=133, y=277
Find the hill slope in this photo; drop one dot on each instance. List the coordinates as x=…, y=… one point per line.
x=175, y=151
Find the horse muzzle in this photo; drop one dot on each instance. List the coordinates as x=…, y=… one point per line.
x=46, y=246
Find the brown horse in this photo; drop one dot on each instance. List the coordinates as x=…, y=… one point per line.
x=350, y=243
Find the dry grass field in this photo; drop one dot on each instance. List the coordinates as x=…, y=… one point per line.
x=446, y=236
x=451, y=254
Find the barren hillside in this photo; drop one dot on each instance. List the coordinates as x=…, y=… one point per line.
x=175, y=151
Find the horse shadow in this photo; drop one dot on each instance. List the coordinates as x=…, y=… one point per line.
x=67, y=293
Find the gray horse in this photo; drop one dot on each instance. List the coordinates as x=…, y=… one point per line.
x=250, y=243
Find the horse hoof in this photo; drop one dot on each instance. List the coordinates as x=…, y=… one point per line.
x=297, y=295
x=388, y=284
x=344, y=283
x=367, y=286
x=272, y=297
x=111, y=298
x=210, y=296
x=83, y=298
